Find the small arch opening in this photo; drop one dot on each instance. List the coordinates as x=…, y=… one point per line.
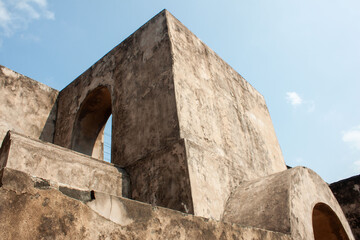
x=107, y=140
x=326, y=224
x=88, y=133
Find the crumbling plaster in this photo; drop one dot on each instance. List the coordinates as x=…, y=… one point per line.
x=188, y=132
x=44, y=212
x=138, y=75
x=166, y=85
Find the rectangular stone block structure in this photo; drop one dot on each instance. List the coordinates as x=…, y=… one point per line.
x=59, y=165
x=163, y=85
x=188, y=133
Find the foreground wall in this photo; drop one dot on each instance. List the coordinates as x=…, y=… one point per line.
x=26, y=106
x=60, y=165
x=41, y=211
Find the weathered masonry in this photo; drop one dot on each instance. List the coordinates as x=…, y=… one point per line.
x=188, y=134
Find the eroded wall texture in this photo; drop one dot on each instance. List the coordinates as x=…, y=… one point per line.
x=347, y=192
x=228, y=130
x=191, y=134
x=138, y=74
x=167, y=86
x=26, y=106
x=42, y=211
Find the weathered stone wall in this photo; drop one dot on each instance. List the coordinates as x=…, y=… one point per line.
x=60, y=165
x=162, y=179
x=347, y=192
x=262, y=203
x=192, y=133
x=26, y=106
x=138, y=74
x=224, y=119
x=44, y=212
x=285, y=202
x=166, y=85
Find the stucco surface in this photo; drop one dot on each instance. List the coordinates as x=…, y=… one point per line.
x=263, y=203
x=162, y=179
x=62, y=166
x=166, y=85
x=26, y=106
x=224, y=120
x=220, y=110
x=138, y=75
x=283, y=202
x=188, y=132
x=45, y=213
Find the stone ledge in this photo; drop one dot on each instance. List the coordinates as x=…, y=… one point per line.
x=62, y=166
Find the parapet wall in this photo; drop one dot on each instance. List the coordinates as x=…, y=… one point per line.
x=41, y=212
x=62, y=166
x=26, y=106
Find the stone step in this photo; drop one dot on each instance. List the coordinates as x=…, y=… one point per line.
x=62, y=166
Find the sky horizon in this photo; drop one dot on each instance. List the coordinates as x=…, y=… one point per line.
x=303, y=57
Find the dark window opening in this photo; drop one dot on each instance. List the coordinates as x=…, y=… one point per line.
x=88, y=133
x=326, y=224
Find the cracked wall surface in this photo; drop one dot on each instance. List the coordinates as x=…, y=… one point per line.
x=188, y=133
x=44, y=212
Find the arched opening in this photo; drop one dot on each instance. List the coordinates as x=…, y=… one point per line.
x=107, y=140
x=88, y=133
x=326, y=224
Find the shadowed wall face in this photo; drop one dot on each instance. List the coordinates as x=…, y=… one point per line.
x=326, y=224
x=347, y=192
x=90, y=122
x=26, y=106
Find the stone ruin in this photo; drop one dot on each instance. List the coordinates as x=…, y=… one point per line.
x=194, y=154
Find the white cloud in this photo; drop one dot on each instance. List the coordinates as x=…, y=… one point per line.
x=294, y=98
x=352, y=137
x=5, y=17
x=17, y=14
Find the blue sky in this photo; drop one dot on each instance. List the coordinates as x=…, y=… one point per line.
x=302, y=56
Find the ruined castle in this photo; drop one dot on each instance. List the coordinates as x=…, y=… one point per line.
x=194, y=154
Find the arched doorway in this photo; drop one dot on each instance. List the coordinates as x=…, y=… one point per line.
x=326, y=224
x=88, y=133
